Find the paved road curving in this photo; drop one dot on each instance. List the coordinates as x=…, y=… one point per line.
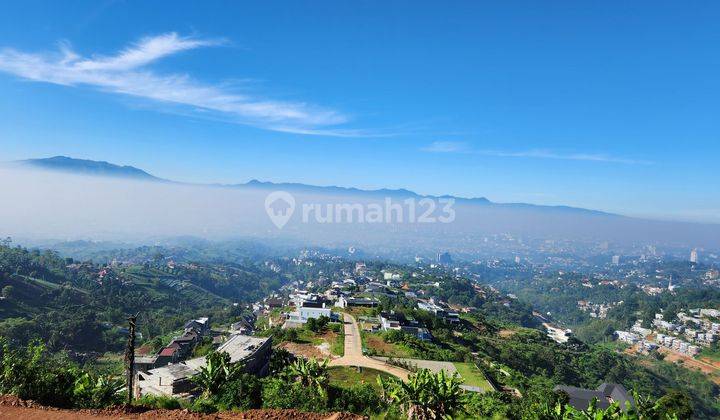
x=354, y=355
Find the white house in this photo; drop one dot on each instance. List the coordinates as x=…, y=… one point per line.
x=302, y=314
x=627, y=337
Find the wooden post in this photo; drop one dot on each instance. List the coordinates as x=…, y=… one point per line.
x=130, y=358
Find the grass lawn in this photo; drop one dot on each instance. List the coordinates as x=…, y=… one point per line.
x=307, y=336
x=347, y=376
x=472, y=376
x=357, y=312
x=337, y=346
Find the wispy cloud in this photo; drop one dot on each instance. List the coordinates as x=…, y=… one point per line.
x=545, y=154
x=127, y=73
x=445, y=147
x=459, y=147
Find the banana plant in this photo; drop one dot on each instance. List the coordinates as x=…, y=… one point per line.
x=426, y=395
x=96, y=392
x=310, y=373
x=218, y=371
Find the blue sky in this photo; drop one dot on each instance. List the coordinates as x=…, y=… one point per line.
x=605, y=106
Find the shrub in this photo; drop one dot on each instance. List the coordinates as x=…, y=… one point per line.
x=405, y=364
x=277, y=393
x=204, y=348
x=317, y=325
x=31, y=373
x=92, y=391
x=243, y=393
x=280, y=359
x=280, y=335
x=158, y=401
x=203, y=405
x=359, y=399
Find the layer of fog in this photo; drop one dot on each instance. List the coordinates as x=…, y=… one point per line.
x=50, y=205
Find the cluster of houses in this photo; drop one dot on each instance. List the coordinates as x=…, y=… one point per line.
x=677, y=344
x=399, y=322
x=688, y=335
x=175, y=379
x=651, y=290
x=179, y=347
x=359, y=289
x=698, y=330
x=597, y=310
x=712, y=277
x=308, y=305
x=638, y=335
x=440, y=311
x=170, y=372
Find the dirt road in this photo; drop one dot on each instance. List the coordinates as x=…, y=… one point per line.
x=354, y=355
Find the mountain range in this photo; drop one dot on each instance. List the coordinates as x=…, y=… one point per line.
x=164, y=207
x=105, y=169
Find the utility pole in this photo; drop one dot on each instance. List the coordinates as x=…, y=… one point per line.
x=130, y=358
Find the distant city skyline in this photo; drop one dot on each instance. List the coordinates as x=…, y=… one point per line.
x=606, y=108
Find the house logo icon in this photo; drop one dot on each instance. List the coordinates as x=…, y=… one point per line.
x=279, y=206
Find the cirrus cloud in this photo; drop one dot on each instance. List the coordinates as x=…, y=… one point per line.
x=445, y=147
x=127, y=73
x=461, y=147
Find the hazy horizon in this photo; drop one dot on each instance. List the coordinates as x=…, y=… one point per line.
x=606, y=111
x=55, y=205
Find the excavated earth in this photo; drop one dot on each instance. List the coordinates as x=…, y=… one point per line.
x=14, y=408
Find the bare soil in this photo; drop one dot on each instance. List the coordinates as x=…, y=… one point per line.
x=305, y=350
x=506, y=333
x=13, y=408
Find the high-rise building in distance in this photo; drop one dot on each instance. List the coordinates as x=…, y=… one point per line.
x=444, y=258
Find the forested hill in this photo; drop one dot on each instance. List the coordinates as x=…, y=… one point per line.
x=82, y=306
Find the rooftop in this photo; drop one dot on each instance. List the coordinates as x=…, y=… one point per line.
x=168, y=351
x=606, y=394
x=238, y=347
x=241, y=346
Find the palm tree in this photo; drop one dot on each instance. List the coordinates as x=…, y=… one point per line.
x=425, y=395
x=310, y=373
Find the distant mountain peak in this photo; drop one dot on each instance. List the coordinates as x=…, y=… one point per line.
x=87, y=167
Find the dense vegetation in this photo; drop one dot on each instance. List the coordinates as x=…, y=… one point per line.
x=82, y=307
x=32, y=373
x=529, y=361
x=77, y=308
x=527, y=356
